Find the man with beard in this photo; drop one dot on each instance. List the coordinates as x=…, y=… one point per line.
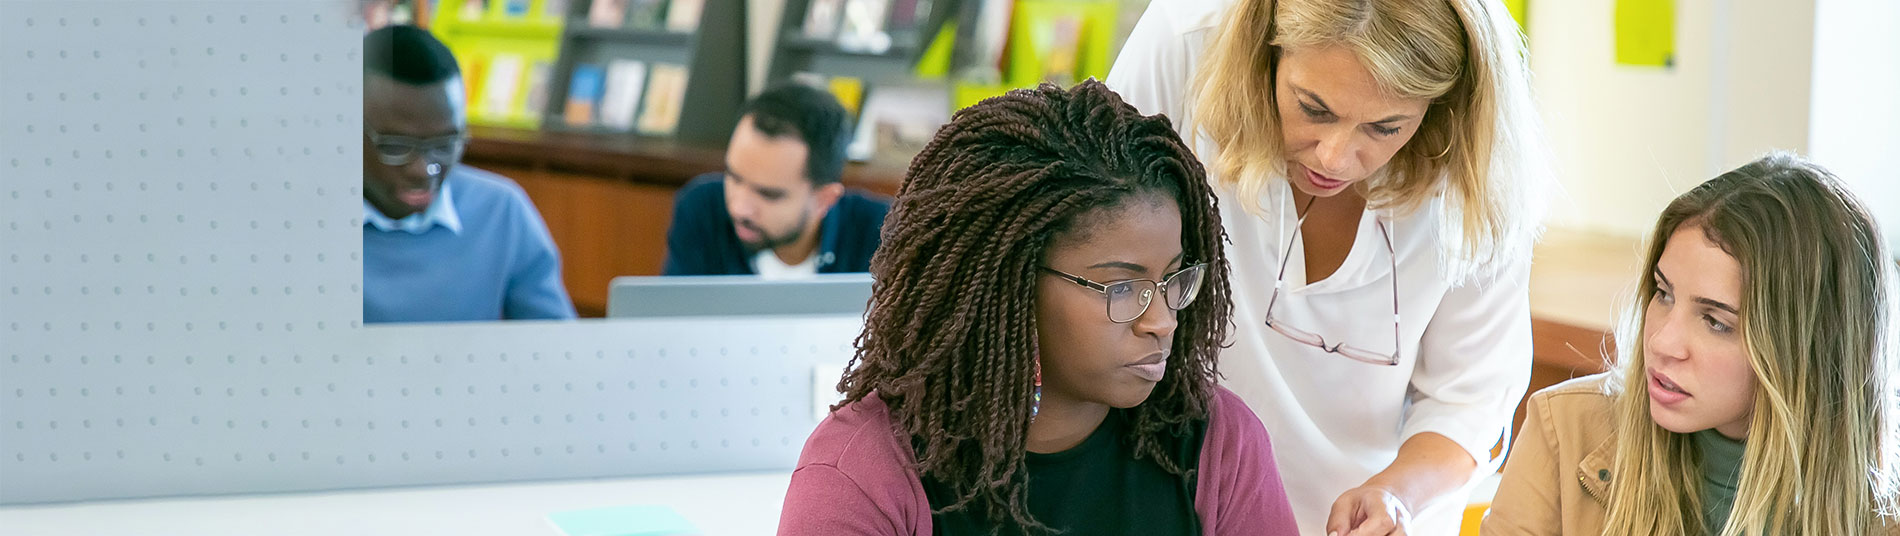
x=778, y=210
x=441, y=242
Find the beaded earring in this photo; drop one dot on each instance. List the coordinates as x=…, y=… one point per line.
x=1035, y=404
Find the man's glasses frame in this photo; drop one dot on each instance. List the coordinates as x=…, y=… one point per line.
x=393, y=150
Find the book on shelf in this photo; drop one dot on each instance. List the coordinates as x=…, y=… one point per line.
x=907, y=16
x=865, y=16
x=647, y=14
x=1058, y=42
x=848, y=90
x=898, y=121
x=863, y=138
x=978, y=56
x=501, y=84
x=538, y=75
x=514, y=8
x=683, y=15
x=607, y=13
x=391, y=12
x=862, y=29
x=811, y=79
x=583, y=95
x=665, y=96
x=472, y=68
x=474, y=9
x=625, y=81
x=822, y=18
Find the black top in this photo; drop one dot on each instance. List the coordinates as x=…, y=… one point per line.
x=1096, y=488
x=701, y=241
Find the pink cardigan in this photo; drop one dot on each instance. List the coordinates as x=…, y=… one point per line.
x=856, y=477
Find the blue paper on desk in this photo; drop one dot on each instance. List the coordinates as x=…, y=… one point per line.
x=646, y=520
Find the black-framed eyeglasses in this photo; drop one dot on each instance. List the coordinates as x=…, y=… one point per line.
x=394, y=150
x=1128, y=299
x=1315, y=340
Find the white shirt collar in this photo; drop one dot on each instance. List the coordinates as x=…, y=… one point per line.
x=769, y=267
x=441, y=212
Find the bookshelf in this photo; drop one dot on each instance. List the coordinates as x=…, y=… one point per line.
x=499, y=45
x=710, y=56
x=950, y=55
x=798, y=52
x=1089, y=51
x=519, y=59
x=1077, y=34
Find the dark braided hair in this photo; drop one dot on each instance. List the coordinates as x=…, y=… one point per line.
x=950, y=342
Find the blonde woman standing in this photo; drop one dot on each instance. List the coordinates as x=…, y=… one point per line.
x=1374, y=164
x=1756, y=395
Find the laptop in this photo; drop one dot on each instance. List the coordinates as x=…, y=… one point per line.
x=737, y=295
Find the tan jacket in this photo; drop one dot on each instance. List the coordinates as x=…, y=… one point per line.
x=1557, y=478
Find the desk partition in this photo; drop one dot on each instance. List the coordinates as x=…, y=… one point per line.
x=181, y=291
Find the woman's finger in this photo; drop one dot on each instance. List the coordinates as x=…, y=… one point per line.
x=1340, y=521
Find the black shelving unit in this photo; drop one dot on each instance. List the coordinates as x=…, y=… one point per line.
x=714, y=55
x=629, y=36
x=796, y=53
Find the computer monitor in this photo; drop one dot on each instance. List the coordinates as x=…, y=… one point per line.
x=737, y=295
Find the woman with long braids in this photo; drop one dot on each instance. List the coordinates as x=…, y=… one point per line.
x=1039, y=357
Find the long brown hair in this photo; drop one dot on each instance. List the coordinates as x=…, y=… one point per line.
x=1816, y=325
x=950, y=342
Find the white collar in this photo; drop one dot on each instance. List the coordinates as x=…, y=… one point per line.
x=441, y=212
x=768, y=266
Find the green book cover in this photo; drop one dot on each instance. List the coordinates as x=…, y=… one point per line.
x=647, y=14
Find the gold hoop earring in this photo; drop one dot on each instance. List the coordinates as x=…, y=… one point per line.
x=1448, y=141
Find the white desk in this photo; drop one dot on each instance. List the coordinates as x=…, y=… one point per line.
x=729, y=504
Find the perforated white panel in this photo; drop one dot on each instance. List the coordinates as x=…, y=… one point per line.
x=180, y=290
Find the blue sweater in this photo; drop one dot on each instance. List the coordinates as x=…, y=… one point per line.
x=502, y=265
x=701, y=241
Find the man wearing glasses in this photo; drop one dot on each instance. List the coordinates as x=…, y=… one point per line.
x=441, y=243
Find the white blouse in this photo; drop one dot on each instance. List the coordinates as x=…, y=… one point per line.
x=1465, y=346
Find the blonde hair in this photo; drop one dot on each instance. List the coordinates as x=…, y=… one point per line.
x=1466, y=56
x=1817, y=326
